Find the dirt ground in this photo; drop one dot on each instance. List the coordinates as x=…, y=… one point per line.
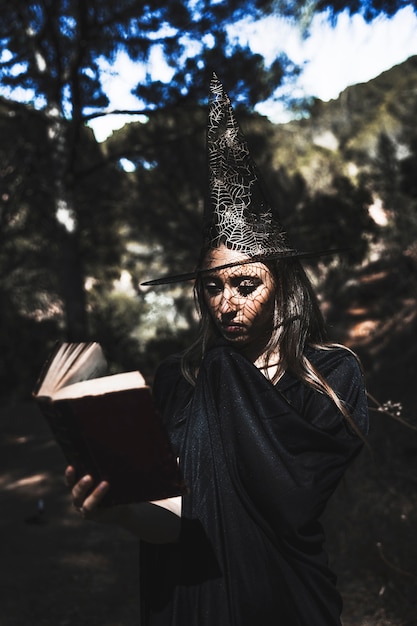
x=57, y=570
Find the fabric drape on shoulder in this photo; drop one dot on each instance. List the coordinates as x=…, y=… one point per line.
x=261, y=462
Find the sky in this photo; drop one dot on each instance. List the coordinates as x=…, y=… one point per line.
x=333, y=57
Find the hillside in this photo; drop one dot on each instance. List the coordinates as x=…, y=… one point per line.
x=343, y=134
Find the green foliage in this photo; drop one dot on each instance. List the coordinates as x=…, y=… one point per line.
x=118, y=320
x=24, y=345
x=53, y=50
x=38, y=254
x=370, y=9
x=393, y=180
x=168, y=185
x=338, y=219
x=113, y=317
x=59, y=46
x=26, y=202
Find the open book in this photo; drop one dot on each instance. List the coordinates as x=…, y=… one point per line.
x=107, y=425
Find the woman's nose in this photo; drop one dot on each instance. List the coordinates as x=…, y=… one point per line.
x=227, y=304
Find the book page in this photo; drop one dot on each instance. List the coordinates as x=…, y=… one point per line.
x=100, y=386
x=73, y=362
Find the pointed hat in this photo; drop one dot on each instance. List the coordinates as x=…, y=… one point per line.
x=239, y=214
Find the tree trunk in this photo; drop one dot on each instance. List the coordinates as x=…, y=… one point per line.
x=71, y=280
x=70, y=270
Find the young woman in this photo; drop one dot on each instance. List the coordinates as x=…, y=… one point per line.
x=265, y=417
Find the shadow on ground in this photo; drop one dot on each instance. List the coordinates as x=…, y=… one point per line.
x=56, y=570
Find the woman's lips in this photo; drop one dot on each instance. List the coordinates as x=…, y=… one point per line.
x=231, y=328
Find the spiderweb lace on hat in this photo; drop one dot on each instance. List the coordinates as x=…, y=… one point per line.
x=240, y=215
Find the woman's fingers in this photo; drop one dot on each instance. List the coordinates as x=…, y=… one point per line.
x=81, y=489
x=70, y=476
x=93, y=500
x=86, y=495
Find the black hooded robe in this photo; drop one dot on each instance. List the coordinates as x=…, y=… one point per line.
x=261, y=462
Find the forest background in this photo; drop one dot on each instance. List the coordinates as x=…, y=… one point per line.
x=83, y=223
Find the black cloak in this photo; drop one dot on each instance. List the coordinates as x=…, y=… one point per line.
x=261, y=461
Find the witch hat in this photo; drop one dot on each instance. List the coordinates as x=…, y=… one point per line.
x=239, y=214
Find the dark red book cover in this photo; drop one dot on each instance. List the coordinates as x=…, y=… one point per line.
x=117, y=437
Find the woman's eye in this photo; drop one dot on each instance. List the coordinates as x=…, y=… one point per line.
x=246, y=287
x=212, y=289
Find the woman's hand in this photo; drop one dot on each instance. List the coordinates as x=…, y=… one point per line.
x=156, y=522
x=87, y=497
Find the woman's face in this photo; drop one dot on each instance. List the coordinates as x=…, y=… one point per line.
x=240, y=298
